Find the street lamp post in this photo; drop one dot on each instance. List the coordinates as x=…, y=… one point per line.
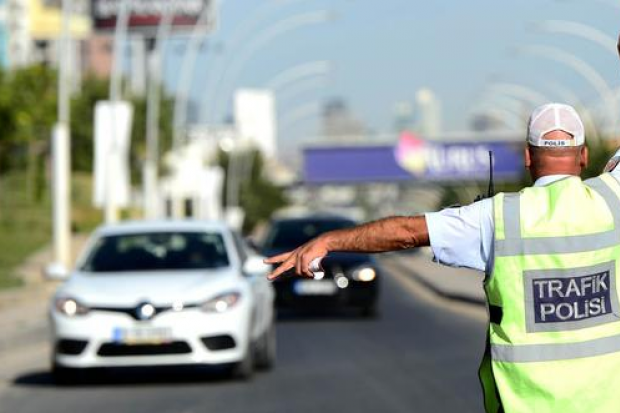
x=585, y=70
x=150, y=172
x=61, y=143
x=262, y=39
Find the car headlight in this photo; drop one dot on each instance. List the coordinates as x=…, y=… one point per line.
x=365, y=274
x=70, y=307
x=222, y=302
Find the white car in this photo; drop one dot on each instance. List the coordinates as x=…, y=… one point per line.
x=164, y=293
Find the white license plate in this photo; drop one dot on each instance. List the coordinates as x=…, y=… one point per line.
x=315, y=287
x=142, y=335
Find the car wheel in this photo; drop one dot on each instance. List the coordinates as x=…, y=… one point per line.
x=266, y=349
x=244, y=369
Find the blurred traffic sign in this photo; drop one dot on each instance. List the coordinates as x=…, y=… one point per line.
x=146, y=15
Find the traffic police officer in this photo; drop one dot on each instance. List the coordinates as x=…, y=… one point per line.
x=551, y=254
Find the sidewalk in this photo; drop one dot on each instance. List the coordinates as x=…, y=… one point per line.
x=454, y=283
x=23, y=310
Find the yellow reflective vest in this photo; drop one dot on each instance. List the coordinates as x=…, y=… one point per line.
x=554, y=334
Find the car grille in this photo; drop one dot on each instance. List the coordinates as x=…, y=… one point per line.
x=70, y=347
x=218, y=342
x=119, y=350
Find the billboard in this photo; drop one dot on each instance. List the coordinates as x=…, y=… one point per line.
x=412, y=159
x=145, y=15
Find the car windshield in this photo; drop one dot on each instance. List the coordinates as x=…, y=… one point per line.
x=291, y=234
x=157, y=251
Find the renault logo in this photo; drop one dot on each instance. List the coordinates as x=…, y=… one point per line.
x=145, y=311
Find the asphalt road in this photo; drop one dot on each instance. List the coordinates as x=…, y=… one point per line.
x=420, y=355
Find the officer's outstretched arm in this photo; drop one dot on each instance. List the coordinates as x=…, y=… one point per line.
x=389, y=234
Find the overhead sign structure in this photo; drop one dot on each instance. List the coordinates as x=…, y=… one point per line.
x=146, y=15
x=412, y=159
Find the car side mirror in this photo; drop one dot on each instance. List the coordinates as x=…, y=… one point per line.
x=252, y=243
x=56, y=272
x=255, y=267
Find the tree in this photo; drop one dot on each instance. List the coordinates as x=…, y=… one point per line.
x=259, y=197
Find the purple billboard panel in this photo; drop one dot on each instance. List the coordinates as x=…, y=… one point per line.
x=412, y=160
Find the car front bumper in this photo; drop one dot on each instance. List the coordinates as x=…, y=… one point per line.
x=192, y=337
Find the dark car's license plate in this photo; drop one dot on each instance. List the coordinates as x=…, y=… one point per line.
x=315, y=287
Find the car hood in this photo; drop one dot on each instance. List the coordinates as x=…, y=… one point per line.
x=159, y=288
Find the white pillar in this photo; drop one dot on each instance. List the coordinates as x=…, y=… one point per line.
x=150, y=194
x=61, y=195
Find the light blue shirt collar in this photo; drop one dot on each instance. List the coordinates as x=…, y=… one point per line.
x=549, y=179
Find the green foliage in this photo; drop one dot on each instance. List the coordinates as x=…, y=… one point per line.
x=82, y=121
x=26, y=224
x=28, y=111
x=138, y=137
x=463, y=194
x=259, y=197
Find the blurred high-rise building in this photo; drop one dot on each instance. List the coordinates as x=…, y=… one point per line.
x=429, y=107
x=403, y=116
x=483, y=122
x=339, y=124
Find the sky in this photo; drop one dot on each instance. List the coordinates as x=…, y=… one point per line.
x=383, y=51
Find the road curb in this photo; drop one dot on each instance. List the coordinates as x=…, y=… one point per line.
x=434, y=287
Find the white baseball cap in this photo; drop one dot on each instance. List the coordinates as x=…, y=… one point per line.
x=552, y=117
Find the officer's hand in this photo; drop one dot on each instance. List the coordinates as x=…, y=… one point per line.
x=299, y=259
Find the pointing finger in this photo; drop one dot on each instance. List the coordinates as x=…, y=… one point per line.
x=285, y=266
x=278, y=258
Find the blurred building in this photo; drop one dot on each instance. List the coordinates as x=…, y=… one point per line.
x=34, y=29
x=429, y=107
x=483, y=122
x=339, y=124
x=97, y=51
x=403, y=117
x=4, y=34
x=255, y=119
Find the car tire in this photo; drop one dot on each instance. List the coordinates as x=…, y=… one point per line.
x=244, y=369
x=266, y=349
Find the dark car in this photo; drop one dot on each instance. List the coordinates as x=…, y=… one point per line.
x=350, y=279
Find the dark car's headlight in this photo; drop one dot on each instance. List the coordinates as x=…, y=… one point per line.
x=222, y=302
x=364, y=274
x=70, y=307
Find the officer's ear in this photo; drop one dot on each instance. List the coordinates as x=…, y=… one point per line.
x=584, y=157
x=527, y=157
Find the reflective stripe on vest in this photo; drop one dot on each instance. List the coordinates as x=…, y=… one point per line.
x=515, y=244
x=530, y=353
x=556, y=345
